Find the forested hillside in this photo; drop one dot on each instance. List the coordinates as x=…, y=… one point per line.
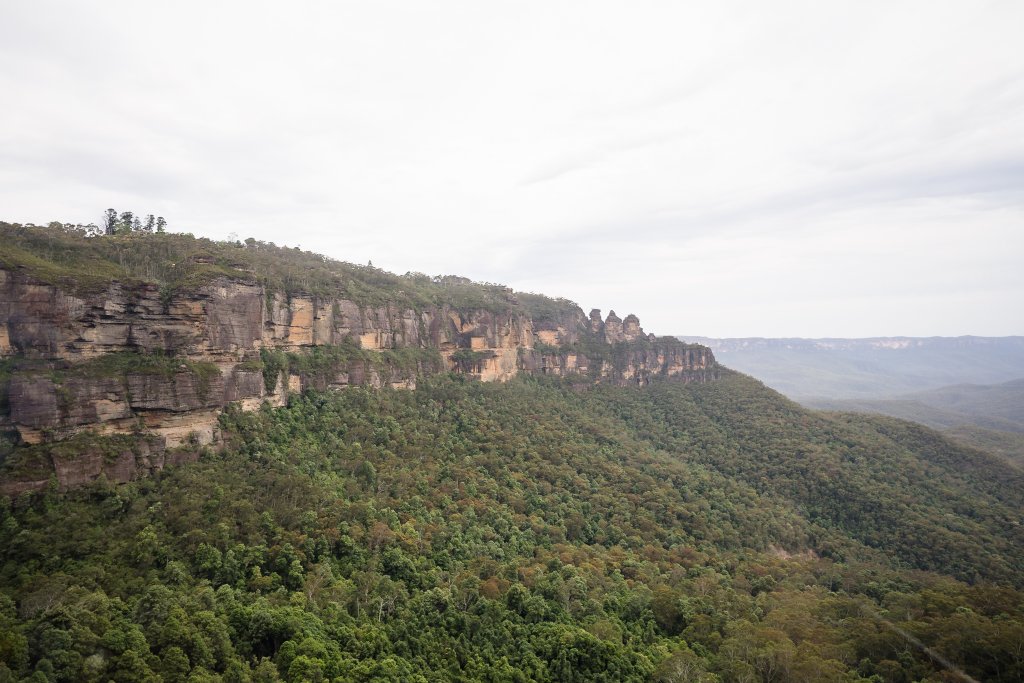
x=957, y=385
x=989, y=417
x=233, y=461
x=529, y=531
x=235, y=448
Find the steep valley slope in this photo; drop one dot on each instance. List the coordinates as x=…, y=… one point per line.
x=612, y=507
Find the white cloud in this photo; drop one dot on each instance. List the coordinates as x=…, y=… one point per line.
x=729, y=169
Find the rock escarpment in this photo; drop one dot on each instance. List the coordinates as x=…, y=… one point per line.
x=134, y=358
x=619, y=352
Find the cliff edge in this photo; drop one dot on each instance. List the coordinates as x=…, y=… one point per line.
x=118, y=353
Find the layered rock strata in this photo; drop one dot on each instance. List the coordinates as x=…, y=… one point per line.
x=210, y=347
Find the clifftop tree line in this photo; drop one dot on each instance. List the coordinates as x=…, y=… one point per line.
x=127, y=221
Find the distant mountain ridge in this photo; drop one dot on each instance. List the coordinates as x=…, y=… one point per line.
x=956, y=384
x=869, y=368
x=844, y=343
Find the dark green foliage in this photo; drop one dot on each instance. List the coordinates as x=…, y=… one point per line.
x=274, y=362
x=543, y=309
x=107, y=446
x=324, y=361
x=110, y=221
x=1007, y=445
x=890, y=484
x=127, y=223
x=526, y=532
x=467, y=360
x=7, y=366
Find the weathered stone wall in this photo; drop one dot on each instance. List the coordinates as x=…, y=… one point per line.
x=629, y=364
x=226, y=324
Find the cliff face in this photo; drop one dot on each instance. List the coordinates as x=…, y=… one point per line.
x=629, y=364
x=135, y=359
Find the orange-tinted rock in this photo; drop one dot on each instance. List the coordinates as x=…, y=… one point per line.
x=226, y=322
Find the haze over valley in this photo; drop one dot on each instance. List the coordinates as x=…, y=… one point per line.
x=957, y=385
x=872, y=368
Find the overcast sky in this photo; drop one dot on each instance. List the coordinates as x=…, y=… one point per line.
x=724, y=169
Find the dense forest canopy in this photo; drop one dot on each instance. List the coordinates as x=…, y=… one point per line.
x=529, y=531
x=544, y=529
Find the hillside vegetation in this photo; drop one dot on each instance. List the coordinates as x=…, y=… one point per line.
x=987, y=417
x=954, y=384
x=77, y=260
x=544, y=529
x=529, y=532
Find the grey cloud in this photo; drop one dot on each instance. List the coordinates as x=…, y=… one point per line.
x=999, y=182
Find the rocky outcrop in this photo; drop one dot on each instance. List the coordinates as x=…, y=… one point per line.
x=70, y=465
x=631, y=330
x=615, y=330
x=178, y=407
x=628, y=364
x=226, y=320
x=565, y=329
x=37, y=402
x=212, y=344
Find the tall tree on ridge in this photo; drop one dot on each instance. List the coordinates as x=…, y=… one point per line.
x=110, y=221
x=125, y=224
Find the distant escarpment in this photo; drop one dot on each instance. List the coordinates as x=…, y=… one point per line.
x=151, y=336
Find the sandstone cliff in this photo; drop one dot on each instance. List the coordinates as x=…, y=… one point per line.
x=125, y=356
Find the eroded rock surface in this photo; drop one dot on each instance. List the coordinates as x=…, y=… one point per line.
x=218, y=332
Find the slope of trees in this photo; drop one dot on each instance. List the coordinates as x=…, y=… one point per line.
x=528, y=532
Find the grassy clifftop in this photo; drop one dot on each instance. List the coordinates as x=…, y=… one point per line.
x=78, y=261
